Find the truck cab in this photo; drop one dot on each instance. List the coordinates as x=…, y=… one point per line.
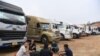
x=39, y=30
x=74, y=29
x=95, y=30
x=54, y=28
x=64, y=33
x=12, y=25
x=88, y=30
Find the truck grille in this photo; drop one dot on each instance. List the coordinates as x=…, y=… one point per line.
x=10, y=35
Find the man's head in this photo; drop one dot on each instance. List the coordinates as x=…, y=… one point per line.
x=65, y=45
x=32, y=41
x=26, y=43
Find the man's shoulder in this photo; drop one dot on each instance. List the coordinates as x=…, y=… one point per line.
x=45, y=50
x=22, y=46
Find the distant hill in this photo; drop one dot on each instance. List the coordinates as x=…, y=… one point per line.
x=96, y=23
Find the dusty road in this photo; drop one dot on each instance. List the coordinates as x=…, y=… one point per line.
x=86, y=46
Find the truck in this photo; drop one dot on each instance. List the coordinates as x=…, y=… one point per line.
x=12, y=25
x=65, y=34
x=39, y=30
x=95, y=30
x=54, y=28
x=88, y=29
x=85, y=29
x=74, y=29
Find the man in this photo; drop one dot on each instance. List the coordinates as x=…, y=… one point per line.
x=32, y=46
x=68, y=51
x=46, y=51
x=24, y=49
x=54, y=47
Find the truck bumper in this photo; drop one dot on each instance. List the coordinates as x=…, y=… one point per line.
x=11, y=43
x=68, y=36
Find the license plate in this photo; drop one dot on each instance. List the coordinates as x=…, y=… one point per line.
x=14, y=43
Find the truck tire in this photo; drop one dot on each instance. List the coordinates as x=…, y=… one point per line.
x=75, y=35
x=44, y=39
x=94, y=33
x=62, y=36
x=87, y=34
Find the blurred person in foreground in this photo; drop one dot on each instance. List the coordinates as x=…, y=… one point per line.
x=67, y=51
x=46, y=51
x=32, y=46
x=24, y=49
x=54, y=47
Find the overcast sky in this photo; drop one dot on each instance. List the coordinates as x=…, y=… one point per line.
x=69, y=11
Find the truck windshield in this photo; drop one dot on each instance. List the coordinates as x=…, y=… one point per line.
x=60, y=26
x=44, y=25
x=10, y=18
x=75, y=27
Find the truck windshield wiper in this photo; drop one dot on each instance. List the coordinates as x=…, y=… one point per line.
x=5, y=20
x=19, y=22
x=11, y=22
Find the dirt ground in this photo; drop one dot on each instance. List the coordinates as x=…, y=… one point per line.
x=85, y=46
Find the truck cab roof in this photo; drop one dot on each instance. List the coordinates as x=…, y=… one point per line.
x=9, y=7
x=38, y=19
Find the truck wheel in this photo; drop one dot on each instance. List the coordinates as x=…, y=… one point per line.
x=87, y=34
x=62, y=36
x=95, y=33
x=75, y=35
x=44, y=39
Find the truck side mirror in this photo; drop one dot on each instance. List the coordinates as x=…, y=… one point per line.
x=38, y=25
x=56, y=27
x=27, y=19
x=67, y=27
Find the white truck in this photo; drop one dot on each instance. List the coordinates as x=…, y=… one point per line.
x=65, y=34
x=74, y=29
x=12, y=25
x=95, y=30
x=84, y=30
x=54, y=28
x=88, y=30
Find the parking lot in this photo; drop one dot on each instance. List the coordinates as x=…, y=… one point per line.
x=85, y=46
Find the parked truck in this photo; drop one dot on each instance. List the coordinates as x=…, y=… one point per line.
x=95, y=30
x=39, y=30
x=54, y=28
x=88, y=30
x=65, y=34
x=75, y=30
x=12, y=25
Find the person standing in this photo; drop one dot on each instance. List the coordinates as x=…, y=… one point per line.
x=24, y=49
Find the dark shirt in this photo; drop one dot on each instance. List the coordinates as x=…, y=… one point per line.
x=54, y=45
x=68, y=52
x=45, y=52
